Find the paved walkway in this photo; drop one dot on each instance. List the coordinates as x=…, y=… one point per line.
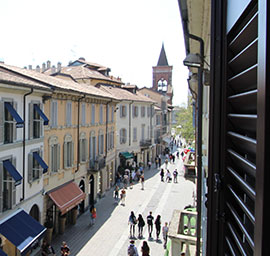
x=110, y=234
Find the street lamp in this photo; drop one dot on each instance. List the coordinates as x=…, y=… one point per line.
x=196, y=61
x=193, y=60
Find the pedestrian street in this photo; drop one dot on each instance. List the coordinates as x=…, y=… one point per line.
x=110, y=234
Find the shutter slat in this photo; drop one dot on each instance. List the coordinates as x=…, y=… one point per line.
x=244, y=102
x=245, y=59
x=241, y=162
x=241, y=225
x=248, y=189
x=243, y=143
x=244, y=81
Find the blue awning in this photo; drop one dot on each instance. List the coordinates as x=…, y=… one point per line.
x=15, y=115
x=42, y=115
x=2, y=253
x=12, y=171
x=40, y=161
x=21, y=230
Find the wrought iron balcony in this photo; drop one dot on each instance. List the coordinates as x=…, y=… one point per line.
x=146, y=143
x=97, y=164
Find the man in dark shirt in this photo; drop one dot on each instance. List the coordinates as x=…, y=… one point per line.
x=150, y=219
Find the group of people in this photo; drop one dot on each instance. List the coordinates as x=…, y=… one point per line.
x=168, y=175
x=47, y=249
x=150, y=221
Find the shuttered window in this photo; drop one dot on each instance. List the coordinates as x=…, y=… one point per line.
x=7, y=188
x=54, y=114
x=93, y=114
x=83, y=116
x=69, y=113
x=234, y=136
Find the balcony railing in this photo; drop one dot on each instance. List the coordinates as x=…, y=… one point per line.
x=182, y=232
x=146, y=143
x=97, y=164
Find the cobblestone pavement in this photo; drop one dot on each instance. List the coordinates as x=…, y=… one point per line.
x=109, y=236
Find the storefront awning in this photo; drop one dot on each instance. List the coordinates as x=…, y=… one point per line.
x=15, y=115
x=42, y=115
x=126, y=155
x=41, y=162
x=67, y=197
x=21, y=230
x=13, y=172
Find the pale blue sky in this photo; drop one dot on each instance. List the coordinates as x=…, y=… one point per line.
x=125, y=35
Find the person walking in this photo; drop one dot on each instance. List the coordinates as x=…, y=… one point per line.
x=168, y=176
x=145, y=249
x=47, y=249
x=159, y=161
x=116, y=193
x=123, y=196
x=132, y=250
x=142, y=181
x=175, y=174
x=93, y=214
x=156, y=161
x=165, y=230
x=149, y=164
x=158, y=226
x=141, y=224
x=65, y=251
x=132, y=221
x=162, y=174
x=150, y=219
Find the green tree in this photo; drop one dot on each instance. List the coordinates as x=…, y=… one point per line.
x=185, y=123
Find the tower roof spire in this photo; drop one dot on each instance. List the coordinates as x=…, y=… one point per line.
x=162, y=61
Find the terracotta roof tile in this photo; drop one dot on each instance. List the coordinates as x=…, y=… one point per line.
x=57, y=82
x=17, y=79
x=123, y=94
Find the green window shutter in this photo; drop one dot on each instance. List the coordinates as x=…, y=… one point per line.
x=65, y=155
x=30, y=168
x=13, y=198
x=2, y=109
x=58, y=156
x=30, y=123
x=1, y=189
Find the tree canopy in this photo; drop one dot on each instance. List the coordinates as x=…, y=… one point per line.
x=184, y=124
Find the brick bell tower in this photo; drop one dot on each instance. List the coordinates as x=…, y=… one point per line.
x=162, y=75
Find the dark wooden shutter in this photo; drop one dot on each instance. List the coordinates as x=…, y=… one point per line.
x=234, y=133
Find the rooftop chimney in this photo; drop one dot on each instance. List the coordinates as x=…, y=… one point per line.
x=43, y=67
x=38, y=68
x=48, y=64
x=30, y=67
x=53, y=69
x=58, y=66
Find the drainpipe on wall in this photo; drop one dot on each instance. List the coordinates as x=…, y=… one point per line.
x=24, y=130
x=78, y=134
x=199, y=151
x=106, y=131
